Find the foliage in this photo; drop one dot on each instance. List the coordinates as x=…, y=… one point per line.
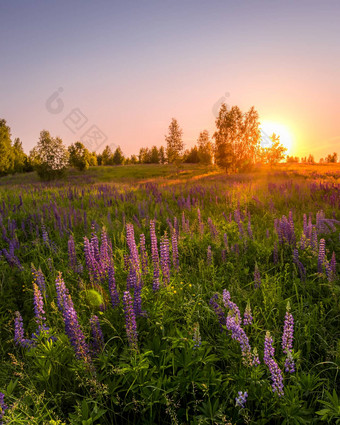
x=6, y=151
x=174, y=142
x=275, y=153
x=237, y=138
x=49, y=157
x=249, y=261
x=79, y=156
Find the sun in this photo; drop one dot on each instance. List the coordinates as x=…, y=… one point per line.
x=270, y=127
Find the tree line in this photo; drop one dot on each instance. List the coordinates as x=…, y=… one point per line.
x=236, y=146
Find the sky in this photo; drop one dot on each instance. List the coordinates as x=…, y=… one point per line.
x=117, y=72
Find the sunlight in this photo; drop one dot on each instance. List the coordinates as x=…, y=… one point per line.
x=270, y=127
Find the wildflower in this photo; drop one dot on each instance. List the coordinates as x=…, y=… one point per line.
x=241, y=399
x=19, y=338
x=257, y=277
x=165, y=258
x=287, y=340
x=275, y=371
x=72, y=253
x=3, y=406
x=218, y=310
x=130, y=321
x=112, y=287
x=247, y=317
x=39, y=309
x=231, y=306
x=322, y=255
x=72, y=326
x=97, y=335
x=143, y=253
x=154, y=256
x=175, y=256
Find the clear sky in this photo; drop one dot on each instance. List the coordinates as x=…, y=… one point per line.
x=128, y=67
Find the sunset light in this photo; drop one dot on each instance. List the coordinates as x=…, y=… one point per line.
x=286, y=137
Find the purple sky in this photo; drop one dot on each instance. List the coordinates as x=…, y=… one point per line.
x=129, y=67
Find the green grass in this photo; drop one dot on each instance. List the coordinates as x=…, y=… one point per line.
x=168, y=380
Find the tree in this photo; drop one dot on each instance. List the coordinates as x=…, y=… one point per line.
x=49, y=157
x=276, y=152
x=6, y=150
x=20, y=158
x=118, y=157
x=107, y=156
x=332, y=158
x=311, y=159
x=237, y=138
x=133, y=159
x=174, y=142
x=191, y=156
x=292, y=159
x=154, y=155
x=79, y=157
x=205, y=148
x=162, y=158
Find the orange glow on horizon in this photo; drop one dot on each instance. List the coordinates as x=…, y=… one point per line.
x=282, y=130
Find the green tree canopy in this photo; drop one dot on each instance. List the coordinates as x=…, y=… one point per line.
x=237, y=138
x=49, y=157
x=80, y=157
x=6, y=150
x=174, y=142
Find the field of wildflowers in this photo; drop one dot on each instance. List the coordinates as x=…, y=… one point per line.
x=170, y=297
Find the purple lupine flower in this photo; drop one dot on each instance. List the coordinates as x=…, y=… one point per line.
x=235, y=311
x=39, y=279
x=209, y=255
x=247, y=317
x=165, y=258
x=3, y=406
x=287, y=340
x=239, y=335
x=154, y=255
x=250, y=231
x=268, y=348
x=134, y=256
x=112, y=287
x=72, y=253
x=255, y=358
x=175, y=256
x=143, y=254
x=322, y=255
x=62, y=291
x=97, y=336
x=213, y=230
x=288, y=331
x=95, y=243
x=257, y=277
x=218, y=310
x=275, y=253
x=105, y=254
x=196, y=336
x=45, y=236
x=241, y=399
x=38, y=307
x=225, y=240
x=73, y=329
x=268, y=358
x=224, y=255
x=19, y=337
x=130, y=321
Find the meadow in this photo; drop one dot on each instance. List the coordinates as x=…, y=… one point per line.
x=150, y=294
